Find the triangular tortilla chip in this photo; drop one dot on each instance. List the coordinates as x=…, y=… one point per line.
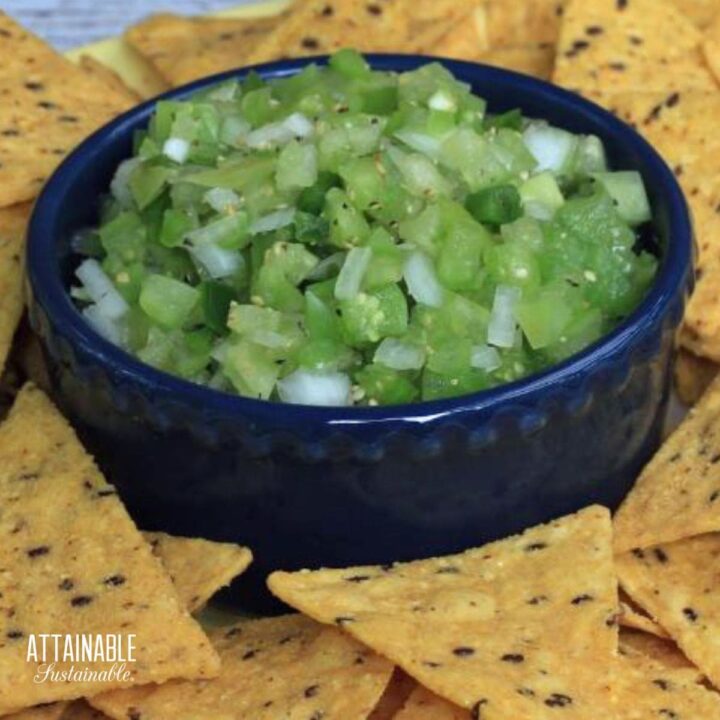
x=664, y=652
x=48, y=106
x=13, y=221
x=518, y=628
x=424, y=705
x=517, y=23
x=466, y=39
x=74, y=563
x=198, y=568
x=678, y=494
x=693, y=375
x=288, y=667
x=108, y=77
x=323, y=26
x=678, y=584
x=642, y=45
x=183, y=49
x=643, y=688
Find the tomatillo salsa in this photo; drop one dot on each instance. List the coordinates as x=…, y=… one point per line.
x=346, y=236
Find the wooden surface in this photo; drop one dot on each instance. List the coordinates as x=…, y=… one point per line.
x=69, y=23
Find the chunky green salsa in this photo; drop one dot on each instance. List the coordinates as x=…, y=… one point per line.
x=345, y=236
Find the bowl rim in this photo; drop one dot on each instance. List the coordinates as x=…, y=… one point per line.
x=48, y=290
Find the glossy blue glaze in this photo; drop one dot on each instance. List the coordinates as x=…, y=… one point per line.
x=310, y=486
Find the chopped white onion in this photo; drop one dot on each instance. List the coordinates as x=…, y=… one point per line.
x=222, y=199
x=421, y=280
x=303, y=387
x=273, y=221
x=102, y=324
x=502, y=324
x=352, y=272
x=399, y=355
x=176, y=149
x=550, y=146
x=120, y=185
x=112, y=306
x=98, y=285
x=218, y=262
x=280, y=133
x=485, y=358
x=327, y=267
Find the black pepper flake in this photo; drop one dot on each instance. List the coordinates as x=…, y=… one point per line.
x=38, y=551
x=327, y=11
x=106, y=493
x=714, y=496
x=310, y=43
x=594, y=30
x=66, y=584
x=476, y=710
x=249, y=655
x=34, y=86
x=357, y=578
x=374, y=9
x=514, y=658
x=14, y=634
x=47, y=105
x=311, y=691
x=81, y=600
x=638, y=553
x=558, y=700
x=114, y=580
x=431, y=664
x=233, y=632
x=538, y=600
x=673, y=100
x=534, y=547
x=526, y=692
x=581, y=599
x=463, y=651
x=617, y=66
x=664, y=712
x=690, y=614
x=621, y=4
x=343, y=620
x=448, y=570
x=660, y=555
x=317, y=715
x=662, y=684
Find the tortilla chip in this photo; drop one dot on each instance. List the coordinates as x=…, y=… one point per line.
x=394, y=697
x=76, y=564
x=640, y=45
x=13, y=221
x=48, y=106
x=466, y=39
x=183, y=49
x=54, y=711
x=631, y=616
x=428, y=21
x=678, y=494
x=679, y=585
x=664, y=652
x=108, y=77
x=423, y=705
x=535, y=60
x=520, y=23
x=693, y=376
x=273, y=668
x=198, y=568
x=645, y=689
x=315, y=27
x=518, y=628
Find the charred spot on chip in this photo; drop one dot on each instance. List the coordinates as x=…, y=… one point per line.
x=535, y=547
x=582, y=599
x=714, y=496
x=106, y=493
x=673, y=100
x=249, y=655
x=665, y=712
x=327, y=11
x=463, y=651
x=431, y=664
x=662, y=684
x=526, y=692
x=638, y=553
x=310, y=43
x=621, y=4
x=14, y=634
x=538, y=600
x=374, y=9
x=558, y=700
x=232, y=632
x=690, y=614
x=317, y=715
x=448, y=570
x=513, y=658
x=661, y=555
x=66, y=584
x=115, y=580
x=357, y=578
x=344, y=620
x=311, y=691
x=68, y=118
x=81, y=600
x=38, y=551
x=476, y=710
x=617, y=66
x=47, y=105
x=134, y=714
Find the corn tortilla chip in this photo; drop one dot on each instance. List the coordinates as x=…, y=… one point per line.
x=76, y=564
x=466, y=39
x=693, y=375
x=107, y=76
x=678, y=494
x=631, y=616
x=13, y=221
x=324, y=26
x=517, y=23
x=183, y=49
x=48, y=106
x=641, y=45
x=423, y=705
x=197, y=567
x=394, y=697
x=273, y=668
x=664, y=652
x=678, y=584
x=469, y=627
x=643, y=688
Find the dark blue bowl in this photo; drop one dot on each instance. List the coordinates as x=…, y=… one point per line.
x=310, y=486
